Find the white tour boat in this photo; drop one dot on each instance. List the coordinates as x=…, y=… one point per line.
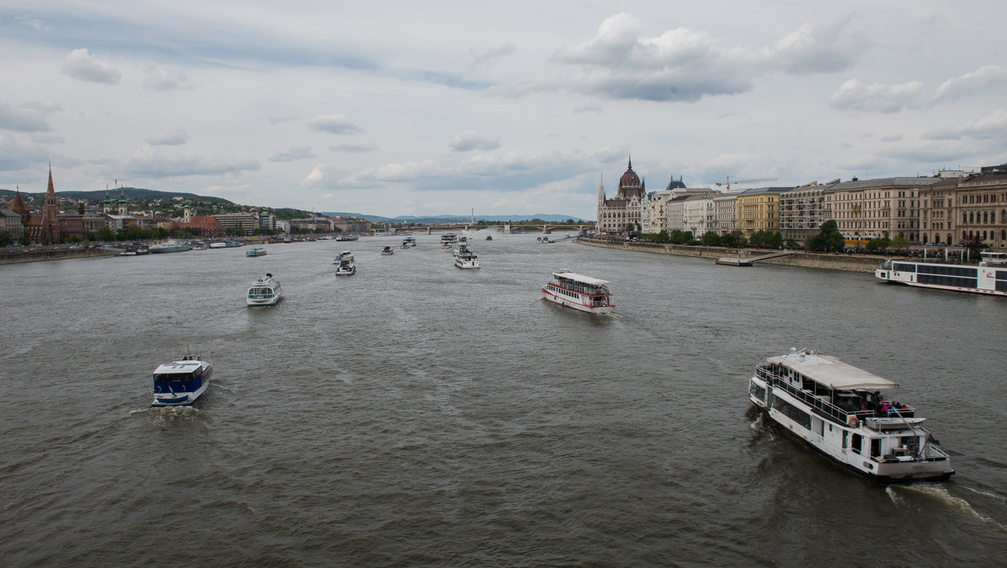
x=990, y=277
x=169, y=246
x=255, y=251
x=345, y=266
x=180, y=383
x=448, y=240
x=579, y=292
x=464, y=258
x=838, y=409
x=265, y=291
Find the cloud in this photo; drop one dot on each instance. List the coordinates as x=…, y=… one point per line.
x=334, y=124
x=153, y=162
x=877, y=97
x=159, y=79
x=14, y=156
x=987, y=77
x=316, y=176
x=174, y=137
x=683, y=65
x=273, y=121
x=353, y=148
x=471, y=140
x=83, y=66
x=989, y=127
x=27, y=117
x=293, y=154
x=488, y=55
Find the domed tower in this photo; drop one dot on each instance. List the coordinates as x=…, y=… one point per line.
x=629, y=184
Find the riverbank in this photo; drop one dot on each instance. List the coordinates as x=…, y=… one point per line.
x=847, y=262
x=51, y=253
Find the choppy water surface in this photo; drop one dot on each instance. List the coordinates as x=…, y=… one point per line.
x=420, y=415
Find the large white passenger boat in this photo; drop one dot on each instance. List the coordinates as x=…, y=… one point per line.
x=344, y=262
x=265, y=291
x=169, y=246
x=579, y=292
x=448, y=240
x=464, y=258
x=990, y=277
x=838, y=409
x=180, y=383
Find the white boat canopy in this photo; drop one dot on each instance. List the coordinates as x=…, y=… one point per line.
x=174, y=367
x=589, y=280
x=832, y=372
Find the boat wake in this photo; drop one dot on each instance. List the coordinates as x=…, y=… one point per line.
x=758, y=425
x=941, y=494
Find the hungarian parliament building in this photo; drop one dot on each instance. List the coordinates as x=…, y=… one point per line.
x=944, y=209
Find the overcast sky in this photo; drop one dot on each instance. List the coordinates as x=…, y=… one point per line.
x=517, y=107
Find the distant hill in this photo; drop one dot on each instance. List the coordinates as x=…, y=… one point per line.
x=436, y=219
x=128, y=192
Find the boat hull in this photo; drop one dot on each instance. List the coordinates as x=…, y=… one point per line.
x=834, y=441
x=179, y=399
x=570, y=303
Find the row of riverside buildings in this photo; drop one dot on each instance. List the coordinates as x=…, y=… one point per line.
x=944, y=209
x=53, y=224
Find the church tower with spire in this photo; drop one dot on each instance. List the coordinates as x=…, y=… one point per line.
x=50, y=213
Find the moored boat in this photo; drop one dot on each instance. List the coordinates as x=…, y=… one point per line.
x=265, y=291
x=584, y=293
x=169, y=246
x=179, y=383
x=838, y=409
x=255, y=251
x=989, y=277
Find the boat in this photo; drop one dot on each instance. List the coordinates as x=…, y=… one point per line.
x=387, y=251
x=544, y=240
x=169, y=246
x=352, y=237
x=584, y=293
x=218, y=245
x=989, y=277
x=344, y=264
x=489, y=237
x=838, y=409
x=464, y=258
x=179, y=383
x=448, y=240
x=265, y=291
x=409, y=241
x=255, y=251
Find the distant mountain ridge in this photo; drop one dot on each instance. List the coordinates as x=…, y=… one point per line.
x=151, y=194
x=455, y=218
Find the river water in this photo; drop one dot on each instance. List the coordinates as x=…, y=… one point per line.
x=420, y=415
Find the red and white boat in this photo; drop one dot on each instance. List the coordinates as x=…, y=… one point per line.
x=584, y=293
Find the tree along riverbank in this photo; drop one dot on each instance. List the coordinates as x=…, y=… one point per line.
x=841, y=261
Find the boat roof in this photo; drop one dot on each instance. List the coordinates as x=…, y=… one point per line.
x=832, y=372
x=580, y=278
x=187, y=366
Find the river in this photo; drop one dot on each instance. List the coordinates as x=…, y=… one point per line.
x=416, y=414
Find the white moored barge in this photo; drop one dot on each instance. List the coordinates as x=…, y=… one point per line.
x=579, y=292
x=838, y=410
x=990, y=277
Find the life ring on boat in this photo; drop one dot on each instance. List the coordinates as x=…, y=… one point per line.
x=853, y=422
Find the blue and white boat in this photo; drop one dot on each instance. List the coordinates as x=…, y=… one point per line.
x=180, y=383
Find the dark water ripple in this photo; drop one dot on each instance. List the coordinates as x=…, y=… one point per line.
x=420, y=415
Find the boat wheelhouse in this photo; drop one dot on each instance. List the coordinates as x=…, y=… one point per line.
x=464, y=258
x=344, y=264
x=989, y=277
x=179, y=383
x=584, y=293
x=255, y=251
x=838, y=409
x=265, y=291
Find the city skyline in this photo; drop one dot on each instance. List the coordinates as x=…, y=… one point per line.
x=403, y=109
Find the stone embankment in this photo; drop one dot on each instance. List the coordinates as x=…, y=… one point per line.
x=11, y=256
x=848, y=262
